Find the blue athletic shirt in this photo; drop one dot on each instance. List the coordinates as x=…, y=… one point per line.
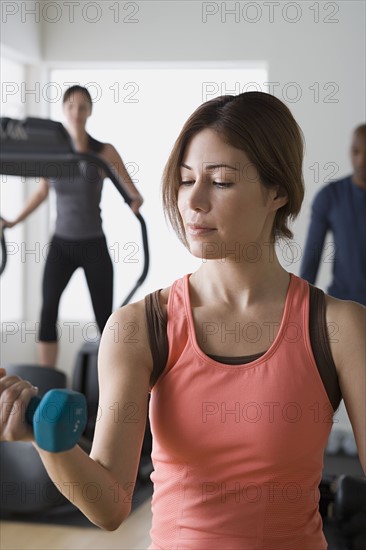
x=339, y=207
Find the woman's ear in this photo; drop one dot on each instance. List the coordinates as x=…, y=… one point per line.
x=280, y=197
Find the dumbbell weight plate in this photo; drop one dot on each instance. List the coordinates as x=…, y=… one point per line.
x=58, y=419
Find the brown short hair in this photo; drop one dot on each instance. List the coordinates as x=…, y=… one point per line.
x=263, y=127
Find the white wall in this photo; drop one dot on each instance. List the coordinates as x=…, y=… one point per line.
x=20, y=29
x=317, y=52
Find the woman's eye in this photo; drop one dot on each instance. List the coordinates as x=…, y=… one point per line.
x=222, y=184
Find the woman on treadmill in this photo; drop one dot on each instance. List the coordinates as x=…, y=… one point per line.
x=79, y=240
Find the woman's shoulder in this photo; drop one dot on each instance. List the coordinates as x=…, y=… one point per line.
x=110, y=154
x=132, y=314
x=108, y=151
x=107, y=147
x=135, y=312
x=346, y=327
x=96, y=146
x=343, y=310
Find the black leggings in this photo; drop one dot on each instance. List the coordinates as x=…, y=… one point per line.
x=64, y=257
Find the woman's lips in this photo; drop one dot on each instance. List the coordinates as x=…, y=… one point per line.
x=197, y=230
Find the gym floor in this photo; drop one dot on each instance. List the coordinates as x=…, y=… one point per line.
x=132, y=535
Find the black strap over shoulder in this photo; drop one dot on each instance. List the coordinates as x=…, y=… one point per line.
x=319, y=338
x=157, y=330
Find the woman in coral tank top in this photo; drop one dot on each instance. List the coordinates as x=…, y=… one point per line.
x=240, y=412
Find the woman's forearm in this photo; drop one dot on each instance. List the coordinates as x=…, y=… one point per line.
x=89, y=486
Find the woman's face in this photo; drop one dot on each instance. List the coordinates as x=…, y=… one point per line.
x=226, y=211
x=77, y=109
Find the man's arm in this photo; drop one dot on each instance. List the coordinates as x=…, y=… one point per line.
x=319, y=226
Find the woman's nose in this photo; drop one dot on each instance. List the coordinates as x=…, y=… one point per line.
x=198, y=197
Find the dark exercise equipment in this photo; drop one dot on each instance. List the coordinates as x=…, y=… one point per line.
x=3, y=250
x=42, y=148
x=345, y=518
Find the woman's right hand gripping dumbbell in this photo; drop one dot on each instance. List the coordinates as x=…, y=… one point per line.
x=54, y=422
x=15, y=396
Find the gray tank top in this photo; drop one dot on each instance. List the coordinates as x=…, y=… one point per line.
x=78, y=204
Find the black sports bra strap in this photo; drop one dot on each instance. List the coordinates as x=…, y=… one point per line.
x=319, y=339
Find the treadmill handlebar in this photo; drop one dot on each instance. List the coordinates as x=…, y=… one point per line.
x=45, y=148
x=4, y=255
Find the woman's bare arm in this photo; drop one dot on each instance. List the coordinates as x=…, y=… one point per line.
x=101, y=484
x=349, y=353
x=116, y=163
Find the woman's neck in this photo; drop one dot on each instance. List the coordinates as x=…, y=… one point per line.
x=244, y=283
x=80, y=139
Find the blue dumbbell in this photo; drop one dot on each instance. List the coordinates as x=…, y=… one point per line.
x=58, y=419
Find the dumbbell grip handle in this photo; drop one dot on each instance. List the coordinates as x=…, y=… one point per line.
x=31, y=409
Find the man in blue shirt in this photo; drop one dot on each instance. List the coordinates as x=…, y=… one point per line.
x=340, y=207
